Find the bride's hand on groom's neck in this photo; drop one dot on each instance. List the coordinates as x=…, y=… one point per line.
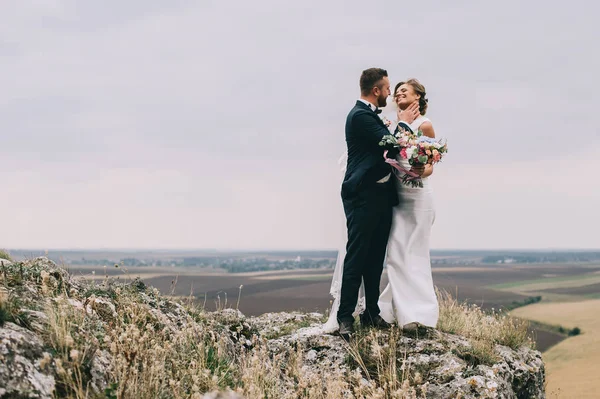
x=409, y=114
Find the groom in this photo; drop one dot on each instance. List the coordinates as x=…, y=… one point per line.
x=368, y=195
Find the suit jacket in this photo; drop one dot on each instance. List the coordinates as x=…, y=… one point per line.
x=366, y=165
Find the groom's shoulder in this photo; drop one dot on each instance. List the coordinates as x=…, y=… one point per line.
x=353, y=112
x=357, y=109
x=357, y=112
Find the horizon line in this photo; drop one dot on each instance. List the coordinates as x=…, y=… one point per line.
x=151, y=249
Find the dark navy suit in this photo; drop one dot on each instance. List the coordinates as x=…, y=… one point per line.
x=368, y=208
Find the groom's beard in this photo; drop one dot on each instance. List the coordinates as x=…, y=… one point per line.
x=381, y=102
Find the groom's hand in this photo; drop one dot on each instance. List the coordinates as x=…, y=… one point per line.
x=392, y=153
x=409, y=114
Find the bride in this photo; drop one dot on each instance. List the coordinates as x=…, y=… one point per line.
x=409, y=298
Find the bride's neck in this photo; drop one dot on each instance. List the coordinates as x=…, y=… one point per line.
x=403, y=107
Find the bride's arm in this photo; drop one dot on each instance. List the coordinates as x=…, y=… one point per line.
x=427, y=129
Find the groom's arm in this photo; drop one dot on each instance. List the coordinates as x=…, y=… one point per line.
x=403, y=125
x=369, y=128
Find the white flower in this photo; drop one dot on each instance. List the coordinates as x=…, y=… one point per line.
x=411, y=152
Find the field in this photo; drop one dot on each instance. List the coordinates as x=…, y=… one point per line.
x=490, y=286
x=569, y=300
x=592, y=290
x=572, y=365
x=565, y=284
x=569, y=292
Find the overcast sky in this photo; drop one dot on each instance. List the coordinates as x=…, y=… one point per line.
x=218, y=124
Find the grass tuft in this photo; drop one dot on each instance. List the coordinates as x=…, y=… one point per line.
x=484, y=330
x=472, y=322
x=5, y=255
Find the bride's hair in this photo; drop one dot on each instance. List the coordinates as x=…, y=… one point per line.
x=420, y=90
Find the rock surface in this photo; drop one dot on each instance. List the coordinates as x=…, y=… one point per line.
x=518, y=374
x=28, y=367
x=24, y=365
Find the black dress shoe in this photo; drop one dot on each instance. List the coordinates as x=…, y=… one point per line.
x=376, y=322
x=346, y=330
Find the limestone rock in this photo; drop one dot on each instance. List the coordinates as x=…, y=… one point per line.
x=101, y=366
x=25, y=369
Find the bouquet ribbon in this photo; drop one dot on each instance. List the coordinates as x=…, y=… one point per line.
x=399, y=168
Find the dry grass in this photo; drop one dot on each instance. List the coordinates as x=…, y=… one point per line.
x=69, y=356
x=153, y=357
x=382, y=359
x=11, y=309
x=483, y=329
x=4, y=254
x=571, y=365
x=149, y=359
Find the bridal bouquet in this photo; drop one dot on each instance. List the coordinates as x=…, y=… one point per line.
x=417, y=149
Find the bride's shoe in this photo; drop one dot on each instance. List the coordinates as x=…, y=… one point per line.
x=416, y=329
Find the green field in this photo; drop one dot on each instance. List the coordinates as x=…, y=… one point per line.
x=550, y=283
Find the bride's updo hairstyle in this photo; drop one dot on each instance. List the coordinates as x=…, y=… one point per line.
x=420, y=90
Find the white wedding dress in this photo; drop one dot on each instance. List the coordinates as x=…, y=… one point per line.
x=410, y=294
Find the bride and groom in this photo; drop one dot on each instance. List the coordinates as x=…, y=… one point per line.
x=388, y=223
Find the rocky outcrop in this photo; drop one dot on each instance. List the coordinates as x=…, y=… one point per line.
x=109, y=326
x=440, y=364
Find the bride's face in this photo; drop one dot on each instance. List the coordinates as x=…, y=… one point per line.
x=405, y=95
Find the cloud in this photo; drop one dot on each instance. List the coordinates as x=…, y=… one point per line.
x=219, y=124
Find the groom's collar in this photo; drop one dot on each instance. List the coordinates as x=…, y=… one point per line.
x=373, y=107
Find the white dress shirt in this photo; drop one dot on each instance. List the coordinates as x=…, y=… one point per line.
x=368, y=104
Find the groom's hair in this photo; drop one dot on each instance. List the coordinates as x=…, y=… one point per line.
x=370, y=78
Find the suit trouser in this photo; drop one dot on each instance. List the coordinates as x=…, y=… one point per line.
x=368, y=220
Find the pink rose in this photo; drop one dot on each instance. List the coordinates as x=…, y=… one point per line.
x=403, y=153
